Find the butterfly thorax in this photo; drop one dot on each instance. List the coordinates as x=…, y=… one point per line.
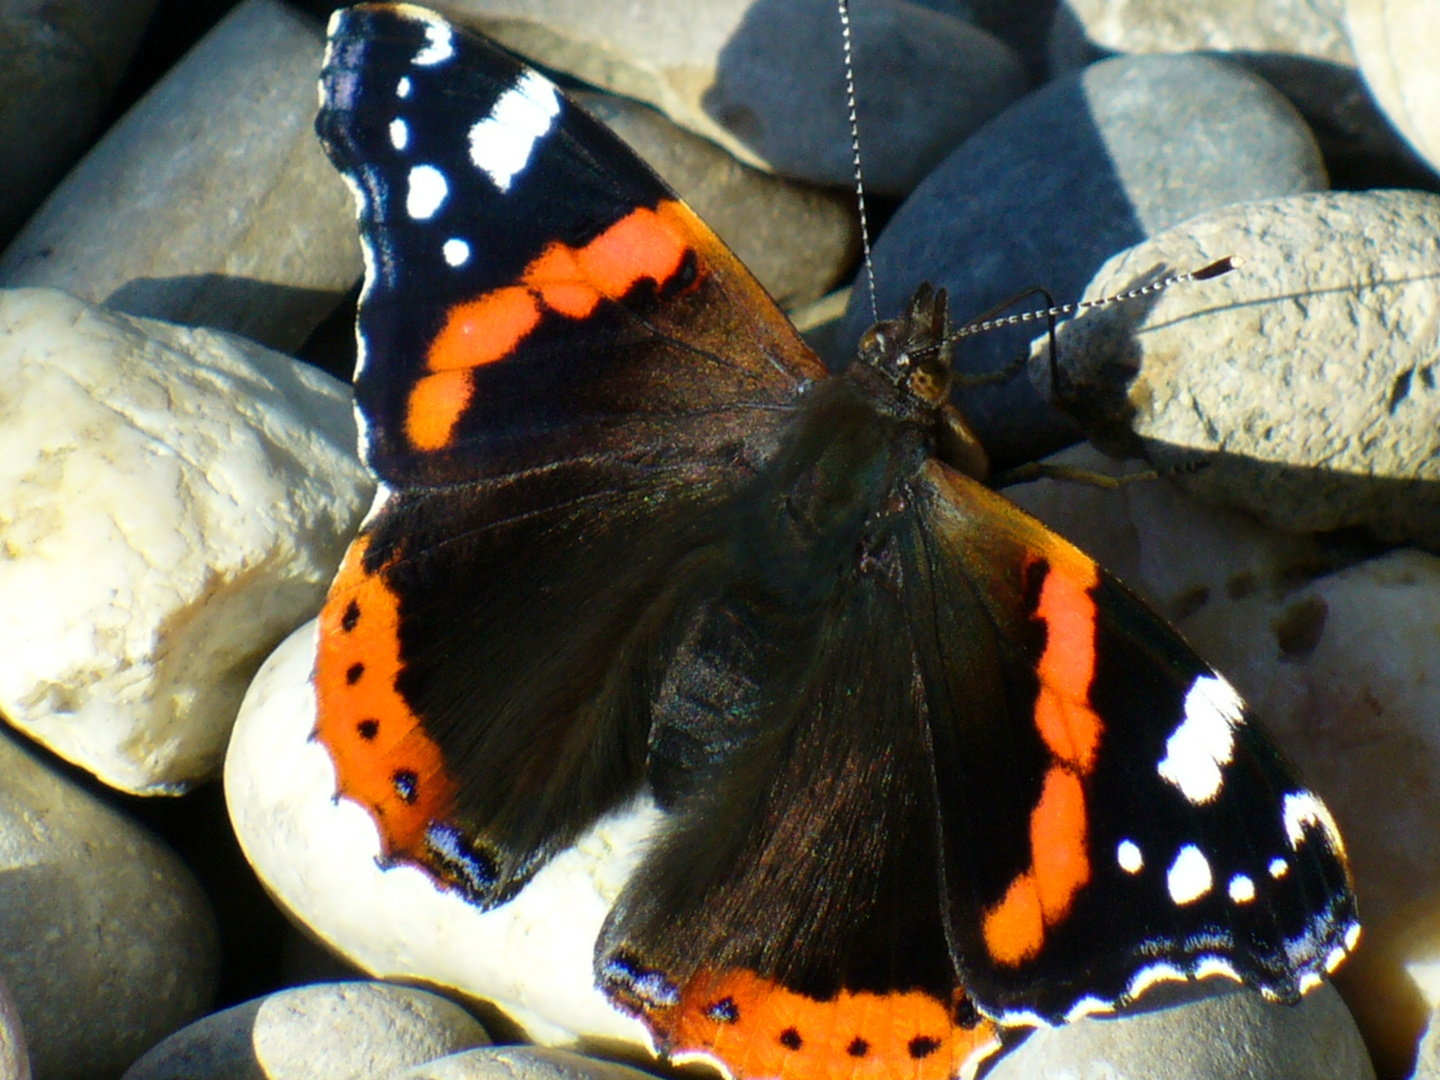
x=823, y=509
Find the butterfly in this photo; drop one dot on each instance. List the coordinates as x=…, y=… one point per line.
x=928, y=776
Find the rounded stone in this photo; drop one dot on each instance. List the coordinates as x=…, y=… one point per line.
x=924, y=81
x=317, y=856
x=1234, y=1034
x=106, y=941
x=59, y=62
x=1306, y=379
x=1399, y=53
x=328, y=1031
x=14, y=1058
x=520, y=1063
x=1083, y=29
x=1058, y=183
x=1299, y=46
x=713, y=67
x=797, y=239
x=211, y=202
x=172, y=503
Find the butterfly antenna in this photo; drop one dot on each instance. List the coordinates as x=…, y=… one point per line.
x=986, y=323
x=845, y=39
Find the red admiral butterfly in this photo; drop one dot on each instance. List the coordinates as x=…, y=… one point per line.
x=928, y=774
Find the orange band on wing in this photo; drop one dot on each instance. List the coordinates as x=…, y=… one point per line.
x=645, y=245
x=384, y=759
x=759, y=1030
x=1042, y=895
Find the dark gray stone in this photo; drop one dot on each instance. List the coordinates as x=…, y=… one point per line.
x=211, y=202
x=925, y=81
x=106, y=941
x=59, y=62
x=1083, y=168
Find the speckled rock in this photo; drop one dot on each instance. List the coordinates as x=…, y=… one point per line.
x=520, y=1063
x=1084, y=28
x=1177, y=553
x=1218, y=1038
x=1399, y=53
x=317, y=857
x=1299, y=46
x=106, y=941
x=1062, y=180
x=764, y=78
x=329, y=1031
x=14, y=1058
x=797, y=239
x=1307, y=378
x=59, y=62
x=210, y=203
x=172, y=503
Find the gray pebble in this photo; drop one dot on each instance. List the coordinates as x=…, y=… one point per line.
x=1219, y=1038
x=1307, y=379
x=211, y=202
x=797, y=239
x=1082, y=29
x=1299, y=46
x=329, y=1031
x=520, y=1063
x=106, y=941
x=59, y=62
x=1085, y=167
x=763, y=78
x=924, y=82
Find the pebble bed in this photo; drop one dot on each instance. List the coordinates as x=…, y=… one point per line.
x=178, y=479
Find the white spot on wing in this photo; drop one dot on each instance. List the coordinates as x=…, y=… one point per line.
x=1242, y=889
x=399, y=134
x=1189, y=876
x=1309, y=981
x=1352, y=936
x=501, y=144
x=1204, y=742
x=1334, y=958
x=456, y=251
x=439, y=44
x=426, y=192
x=1129, y=856
x=1278, y=868
x=402, y=88
x=1302, y=808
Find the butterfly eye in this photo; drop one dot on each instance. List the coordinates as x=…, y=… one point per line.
x=872, y=343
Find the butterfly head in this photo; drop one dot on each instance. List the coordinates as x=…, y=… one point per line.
x=913, y=351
